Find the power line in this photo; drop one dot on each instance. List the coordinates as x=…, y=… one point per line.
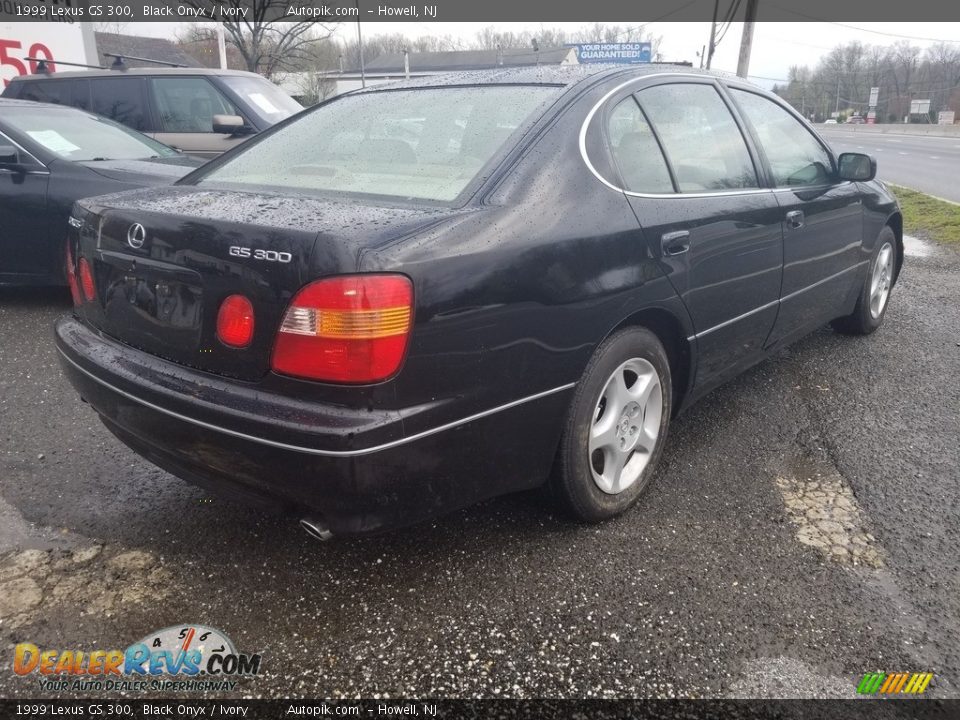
x=863, y=29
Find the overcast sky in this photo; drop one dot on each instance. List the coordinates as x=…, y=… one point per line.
x=776, y=46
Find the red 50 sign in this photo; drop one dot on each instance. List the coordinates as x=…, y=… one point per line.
x=12, y=50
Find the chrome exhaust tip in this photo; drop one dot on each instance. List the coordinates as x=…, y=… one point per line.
x=316, y=529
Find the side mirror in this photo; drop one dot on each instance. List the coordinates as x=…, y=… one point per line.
x=9, y=155
x=857, y=167
x=229, y=125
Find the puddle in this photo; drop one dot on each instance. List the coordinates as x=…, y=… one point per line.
x=915, y=247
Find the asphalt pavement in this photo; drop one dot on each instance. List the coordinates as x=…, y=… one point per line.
x=925, y=163
x=802, y=531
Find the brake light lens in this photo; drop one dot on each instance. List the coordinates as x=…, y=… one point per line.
x=86, y=280
x=235, y=321
x=350, y=329
x=72, y=278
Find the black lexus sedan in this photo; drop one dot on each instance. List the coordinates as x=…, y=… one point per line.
x=415, y=297
x=51, y=156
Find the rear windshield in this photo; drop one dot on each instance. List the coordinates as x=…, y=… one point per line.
x=424, y=144
x=79, y=136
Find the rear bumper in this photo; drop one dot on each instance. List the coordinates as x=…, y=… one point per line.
x=307, y=458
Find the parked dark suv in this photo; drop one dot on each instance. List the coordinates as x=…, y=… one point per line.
x=198, y=111
x=415, y=297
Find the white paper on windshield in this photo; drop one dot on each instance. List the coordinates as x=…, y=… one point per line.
x=53, y=141
x=263, y=103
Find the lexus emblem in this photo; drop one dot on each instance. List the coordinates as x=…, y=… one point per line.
x=136, y=236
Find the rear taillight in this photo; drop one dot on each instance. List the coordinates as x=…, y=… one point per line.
x=72, y=278
x=235, y=321
x=351, y=329
x=86, y=280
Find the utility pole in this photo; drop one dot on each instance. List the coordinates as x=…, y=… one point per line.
x=222, y=46
x=363, y=72
x=746, y=41
x=837, y=108
x=713, y=33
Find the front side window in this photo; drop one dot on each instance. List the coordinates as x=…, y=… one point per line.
x=700, y=136
x=795, y=156
x=187, y=105
x=25, y=157
x=426, y=144
x=120, y=99
x=635, y=150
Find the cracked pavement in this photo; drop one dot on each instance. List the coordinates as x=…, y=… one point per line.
x=802, y=530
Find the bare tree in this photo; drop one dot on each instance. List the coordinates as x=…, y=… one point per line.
x=901, y=71
x=268, y=37
x=116, y=28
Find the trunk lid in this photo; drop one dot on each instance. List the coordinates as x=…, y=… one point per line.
x=165, y=259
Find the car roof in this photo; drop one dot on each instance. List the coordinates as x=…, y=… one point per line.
x=557, y=75
x=137, y=72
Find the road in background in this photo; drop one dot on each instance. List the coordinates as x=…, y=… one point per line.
x=925, y=163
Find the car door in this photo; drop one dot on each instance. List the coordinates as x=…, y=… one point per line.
x=24, y=249
x=185, y=109
x=699, y=197
x=823, y=216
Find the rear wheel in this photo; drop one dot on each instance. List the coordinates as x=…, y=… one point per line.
x=616, y=427
x=872, y=303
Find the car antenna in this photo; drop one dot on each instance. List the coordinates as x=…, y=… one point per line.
x=119, y=64
x=42, y=68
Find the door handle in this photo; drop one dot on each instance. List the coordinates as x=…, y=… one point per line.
x=675, y=243
x=795, y=219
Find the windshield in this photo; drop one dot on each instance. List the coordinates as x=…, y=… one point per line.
x=264, y=99
x=79, y=136
x=425, y=144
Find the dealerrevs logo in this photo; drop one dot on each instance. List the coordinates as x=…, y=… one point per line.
x=178, y=658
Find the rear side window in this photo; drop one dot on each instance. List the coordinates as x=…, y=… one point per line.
x=635, y=150
x=58, y=92
x=73, y=93
x=120, y=99
x=795, y=156
x=702, y=141
x=187, y=105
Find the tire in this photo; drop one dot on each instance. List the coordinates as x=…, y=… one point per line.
x=630, y=375
x=874, y=297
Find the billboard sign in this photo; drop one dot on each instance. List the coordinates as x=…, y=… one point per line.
x=623, y=53
x=70, y=42
x=919, y=107
x=874, y=95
